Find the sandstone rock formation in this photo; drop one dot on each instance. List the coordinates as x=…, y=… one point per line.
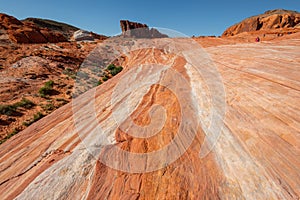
x=138, y=30
x=256, y=156
x=65, y=29
x=270, y=20
x=82, y=35
x=27, y=32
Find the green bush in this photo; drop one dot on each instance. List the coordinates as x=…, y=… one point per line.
x=46, y=89
x=49, y=84
x=110, y=67
x=7, y=109
x=24, y=103
x=104, y=78
x=116, y=70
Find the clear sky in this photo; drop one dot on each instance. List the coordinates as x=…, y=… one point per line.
x=209, y=17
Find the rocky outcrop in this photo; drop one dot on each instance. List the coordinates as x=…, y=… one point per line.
x=65, y=29
x=138, y=30
x=25, y=32
x=270, y=20
x=82, y=35
x=128, y=25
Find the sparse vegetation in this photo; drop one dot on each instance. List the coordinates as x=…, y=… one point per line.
x=111, y=67
x=47, y=89
x=48, y=107
x=104, y=78
x=14, y=132
x=9, y=110
x=111, y=70
x=36, y=117
x=116, y=70
x=25, y=103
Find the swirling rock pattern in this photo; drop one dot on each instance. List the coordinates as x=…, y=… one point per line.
x=256, y=157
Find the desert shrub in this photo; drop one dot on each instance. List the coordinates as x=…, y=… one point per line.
x=49, y=84
x=48, y=107
x=113, y=69
x=99, y=83
x=116, y=70
x=47, y=89
x=24, y=103
x=7, y=109
x=36, y=117
x=104, y=78
x=110, y=67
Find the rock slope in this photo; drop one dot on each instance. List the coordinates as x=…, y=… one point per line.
x=283, y=21
x=27, y=63
x=26, y=32
x=255, y=157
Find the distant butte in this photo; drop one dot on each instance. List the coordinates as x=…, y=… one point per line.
x=139, y=30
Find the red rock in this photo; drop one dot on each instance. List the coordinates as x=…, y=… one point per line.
x=256, y=156
x=139, y=30
x=28, y=32
x=270, y=20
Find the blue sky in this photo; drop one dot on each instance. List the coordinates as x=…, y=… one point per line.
x=188, y=17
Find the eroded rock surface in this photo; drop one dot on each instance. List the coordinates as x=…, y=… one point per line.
x=256, y=156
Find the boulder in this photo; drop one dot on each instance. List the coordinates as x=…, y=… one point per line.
x=82, y=35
